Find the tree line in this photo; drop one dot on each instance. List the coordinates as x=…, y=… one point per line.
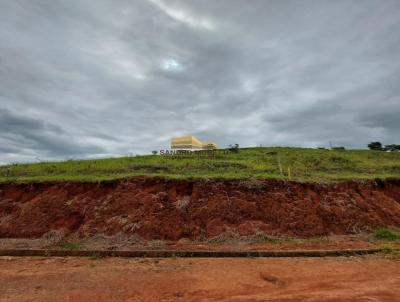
x=379, y=147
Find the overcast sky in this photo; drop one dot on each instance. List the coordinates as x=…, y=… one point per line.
x=99, y=78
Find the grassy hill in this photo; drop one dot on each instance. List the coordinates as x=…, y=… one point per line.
x=304, y=165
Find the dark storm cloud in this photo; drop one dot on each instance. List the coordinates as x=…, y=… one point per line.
x=99, y=78
x=21, y=134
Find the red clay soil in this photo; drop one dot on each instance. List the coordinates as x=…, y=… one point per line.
x=198, y=280
x=155, y=208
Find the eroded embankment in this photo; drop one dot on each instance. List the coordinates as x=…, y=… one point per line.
x=169, y=209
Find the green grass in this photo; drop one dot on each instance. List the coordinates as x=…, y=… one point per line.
x=70, y=246
x=387, y=234
x=305, y=165
x=390, y=252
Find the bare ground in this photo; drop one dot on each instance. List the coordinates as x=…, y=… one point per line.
x=159, y=209
x=185, y=279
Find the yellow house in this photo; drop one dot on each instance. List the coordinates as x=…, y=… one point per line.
x=190, y=142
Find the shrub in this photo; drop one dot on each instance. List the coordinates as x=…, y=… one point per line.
x=234, y=148
x=392, y=148
x=375, y=146
x=387, y=234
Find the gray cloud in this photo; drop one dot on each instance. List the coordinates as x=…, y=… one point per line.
x=98, y=78
x=26, y=135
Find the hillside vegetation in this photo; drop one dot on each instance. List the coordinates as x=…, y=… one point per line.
x=297, y=164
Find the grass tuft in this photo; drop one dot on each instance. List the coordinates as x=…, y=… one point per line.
x=387, y=234
x=262, y=238
x=70, y=246
x=390, y=252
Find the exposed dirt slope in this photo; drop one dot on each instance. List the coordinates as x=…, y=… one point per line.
x=160, y=209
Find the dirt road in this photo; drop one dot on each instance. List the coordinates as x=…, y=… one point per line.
x=188, y=279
